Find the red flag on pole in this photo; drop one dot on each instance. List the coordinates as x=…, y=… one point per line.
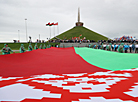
x=48, y=24
x=56, y=23
x=51, y=24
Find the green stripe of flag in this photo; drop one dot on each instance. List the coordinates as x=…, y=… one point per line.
x=107, y=59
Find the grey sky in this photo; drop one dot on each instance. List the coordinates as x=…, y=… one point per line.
x=112, y=18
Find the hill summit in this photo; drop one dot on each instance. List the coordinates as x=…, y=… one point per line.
x=85, y=32
x=81, y=32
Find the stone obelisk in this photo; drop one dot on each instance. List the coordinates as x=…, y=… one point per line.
x=79, y=23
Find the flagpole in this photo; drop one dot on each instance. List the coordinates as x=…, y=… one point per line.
x=54, y=31
x=57, y=30
x=26, y=29
x=50, y=32
x=19, y=35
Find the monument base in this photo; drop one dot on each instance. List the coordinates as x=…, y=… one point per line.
x=79, y=24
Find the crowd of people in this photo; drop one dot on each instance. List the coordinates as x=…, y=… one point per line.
x=7, y=50
x=72, y=41
x=117, y=47
x=121, y=47
x=91, y=41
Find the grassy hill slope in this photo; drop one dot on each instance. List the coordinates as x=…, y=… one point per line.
x=76, y=31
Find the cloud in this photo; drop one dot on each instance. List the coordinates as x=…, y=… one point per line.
x=112, y=18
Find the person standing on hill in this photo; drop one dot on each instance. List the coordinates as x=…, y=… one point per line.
x=118, y=47
x=30, y=48
x=121, y=47
x=107, y=47
x=95, y=46
x=57, y=45
x=36, y=47
x=6, y=50
x=110, y=47
x=115, y=47
x=104, y=46
x=44, y=47
x=22, y=49
x=99, y=46
x=130, y=48
x=41, y=47
x=136, y=48
x=49, y=46
x=91, y=45
x=133, y=47
x=126, y=47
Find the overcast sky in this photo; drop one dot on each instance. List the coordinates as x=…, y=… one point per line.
x=111, y=18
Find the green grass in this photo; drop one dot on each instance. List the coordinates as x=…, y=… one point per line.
x=76, y=31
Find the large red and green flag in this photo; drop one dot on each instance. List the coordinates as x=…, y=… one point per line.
x=69, y=75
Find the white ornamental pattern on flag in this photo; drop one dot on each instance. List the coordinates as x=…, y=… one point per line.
x=110, y=86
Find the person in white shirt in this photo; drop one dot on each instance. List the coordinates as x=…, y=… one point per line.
x=116, y=47
x=130, y=48
x=104, y=46
x=136, y=46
